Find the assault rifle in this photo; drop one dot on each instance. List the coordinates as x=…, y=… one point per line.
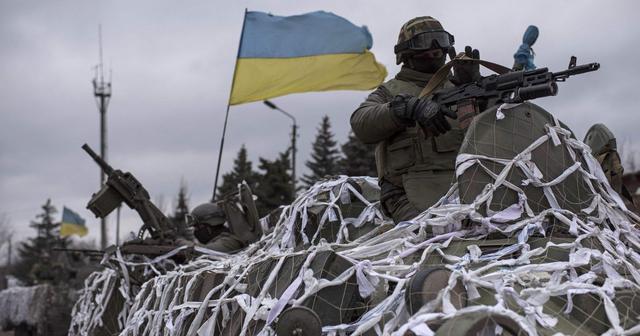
x=511, y=87
x=124, y=187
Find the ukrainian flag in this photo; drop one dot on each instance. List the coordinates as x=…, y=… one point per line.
x=72, y=224
x=318, y=51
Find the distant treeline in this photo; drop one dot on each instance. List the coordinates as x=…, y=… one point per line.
x=272, y=182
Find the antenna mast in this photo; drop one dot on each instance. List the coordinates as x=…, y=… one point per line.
x=102, y=94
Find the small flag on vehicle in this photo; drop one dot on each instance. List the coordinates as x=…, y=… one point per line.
x=72, y=224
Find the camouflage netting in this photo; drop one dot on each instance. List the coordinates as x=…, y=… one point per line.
x=523, y=255
x=99, y=297
x=104, y=303
x=41, y=309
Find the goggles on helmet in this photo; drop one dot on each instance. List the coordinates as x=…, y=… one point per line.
x=425, y=41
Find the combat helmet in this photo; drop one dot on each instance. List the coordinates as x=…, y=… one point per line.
x=421, y=33
x=208, y=213
x=605, y=149
x=600, y=139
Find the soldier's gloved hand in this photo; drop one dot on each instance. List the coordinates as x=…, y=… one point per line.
x=464, y=71
x=426, y=112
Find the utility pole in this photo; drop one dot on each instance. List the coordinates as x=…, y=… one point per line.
x=294, y=135
x=102, y=94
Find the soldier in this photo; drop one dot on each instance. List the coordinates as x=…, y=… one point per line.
x=227, y=225
x=605, y=149
x=208, y=221
x=417, y=140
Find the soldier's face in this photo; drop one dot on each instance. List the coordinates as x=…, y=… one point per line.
x=428, y=61
x=430, y=54
x=204, y=233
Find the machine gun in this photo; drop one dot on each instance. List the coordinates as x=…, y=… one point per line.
x=512, y=87
x=124, y=187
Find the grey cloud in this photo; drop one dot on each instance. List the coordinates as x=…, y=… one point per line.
x=172, y=67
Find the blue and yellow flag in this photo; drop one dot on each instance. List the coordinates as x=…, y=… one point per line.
x=318, y=51
x=72, y=224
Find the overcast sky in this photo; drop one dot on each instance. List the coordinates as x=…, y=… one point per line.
x=172, y=65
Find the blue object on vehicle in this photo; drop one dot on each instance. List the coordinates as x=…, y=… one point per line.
x=530, y=35
x=523, y=58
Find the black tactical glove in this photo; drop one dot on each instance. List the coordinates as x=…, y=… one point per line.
x=426, y=112
x=464, y=71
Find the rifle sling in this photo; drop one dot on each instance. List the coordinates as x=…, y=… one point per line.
x=441, y=75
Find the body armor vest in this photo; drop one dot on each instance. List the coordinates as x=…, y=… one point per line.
x=422, y=166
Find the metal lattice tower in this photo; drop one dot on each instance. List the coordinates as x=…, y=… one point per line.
x=102, y=94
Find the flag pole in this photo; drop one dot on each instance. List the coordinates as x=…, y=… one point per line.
x=226, y=117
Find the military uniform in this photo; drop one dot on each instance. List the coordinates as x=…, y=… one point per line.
x=605, y=149
x=414, y=170
x=229, y=224
x=225, y=242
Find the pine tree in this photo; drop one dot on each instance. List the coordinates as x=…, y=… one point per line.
x=181, y=209
x=37, y=253
x=324, y=157
x=275, y=185
x=358, y=158
x=242, y=170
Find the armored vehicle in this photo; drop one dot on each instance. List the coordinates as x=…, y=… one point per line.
x=531, y=239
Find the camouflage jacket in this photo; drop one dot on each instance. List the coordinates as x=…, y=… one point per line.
x=422, y=166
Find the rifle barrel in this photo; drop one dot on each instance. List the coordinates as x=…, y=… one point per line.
x=106, y=168
x=576, y=70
